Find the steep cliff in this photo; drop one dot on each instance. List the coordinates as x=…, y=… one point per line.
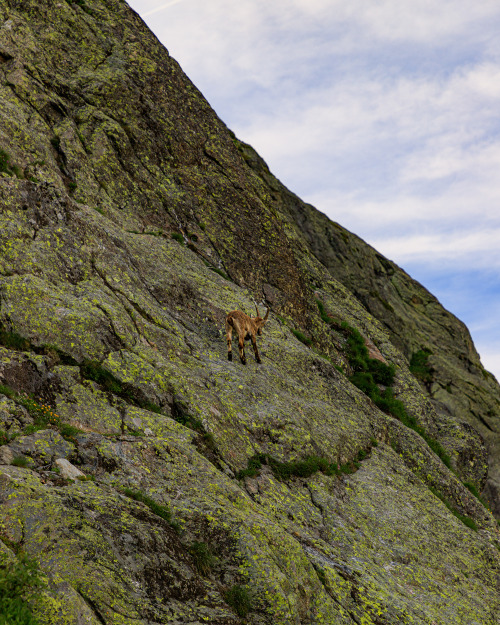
x=154, y=481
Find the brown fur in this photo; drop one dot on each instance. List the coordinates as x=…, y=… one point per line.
x=246, y=328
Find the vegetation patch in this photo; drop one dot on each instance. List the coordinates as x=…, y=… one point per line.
x=97, y=373
x=156, y=508
x=465, y=519
x=19, y=583
x=476, y=494
x=218, y=271
x=369, y=374
x=177, y=236
x=20, y=461
x=239, y=599
x=386, y=402
x=420, y=367
x=302, y=337
x=7, y=167
x=285, y=471
x=12, y=340
x=43, y=415
x=203, y=557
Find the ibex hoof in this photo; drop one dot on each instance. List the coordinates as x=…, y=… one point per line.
x=243, y=362
x=259, y=361
x=229, y=356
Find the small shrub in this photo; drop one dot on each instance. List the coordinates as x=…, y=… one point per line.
x=20, y=461
x=209, y=440
x=68, y=431
x=43, y=415
x=357, y=351
x=420, y=367
x=346, y=468
x=19, y=582
x=322, y=311
x=362, y=453
x=177, y=236
x=466, y=520
x=382, y=373
x=322, y=576
x=239, y=599
x=203, y=557
x=299, y=468
x=86, y=478
x=284, y=471
x=254, y=465
x=364, y=381
x=4, y=162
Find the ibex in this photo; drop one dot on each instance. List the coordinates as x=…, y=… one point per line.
x=246, y=328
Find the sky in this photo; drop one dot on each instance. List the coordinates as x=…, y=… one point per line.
x=383, y=114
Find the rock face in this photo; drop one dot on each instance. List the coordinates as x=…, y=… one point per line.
x=131, y=221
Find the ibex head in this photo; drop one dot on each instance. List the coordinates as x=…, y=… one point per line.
x=259, y=321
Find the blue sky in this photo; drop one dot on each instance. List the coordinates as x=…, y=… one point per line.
x=383, y=114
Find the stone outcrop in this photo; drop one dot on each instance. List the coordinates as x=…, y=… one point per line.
x=131, y=221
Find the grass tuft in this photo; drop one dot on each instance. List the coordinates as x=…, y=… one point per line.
x=20, y=461
x=465, y=519
x=203, y=557
x=92, y=370
x=472, y=488
x=302, y=337
x=156, y=508
x=238, y=598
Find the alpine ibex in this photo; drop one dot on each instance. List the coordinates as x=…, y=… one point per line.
x=246, y=328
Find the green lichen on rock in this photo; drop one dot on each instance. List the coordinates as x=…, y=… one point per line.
x=347, y=515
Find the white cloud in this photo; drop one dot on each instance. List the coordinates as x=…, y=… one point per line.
x=444, y=247
x=162, y=7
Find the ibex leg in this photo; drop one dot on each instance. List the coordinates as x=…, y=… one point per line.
x=254, y=343
x=229, y=335
x=241, y=345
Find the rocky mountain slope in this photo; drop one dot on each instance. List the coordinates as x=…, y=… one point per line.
x=150, y=479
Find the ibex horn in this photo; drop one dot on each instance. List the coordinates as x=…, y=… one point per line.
x=267, y=314
x=258, y=313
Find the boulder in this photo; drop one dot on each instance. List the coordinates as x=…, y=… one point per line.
x=68, y=470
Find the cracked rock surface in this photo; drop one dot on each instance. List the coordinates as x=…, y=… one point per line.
x=126, y=434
